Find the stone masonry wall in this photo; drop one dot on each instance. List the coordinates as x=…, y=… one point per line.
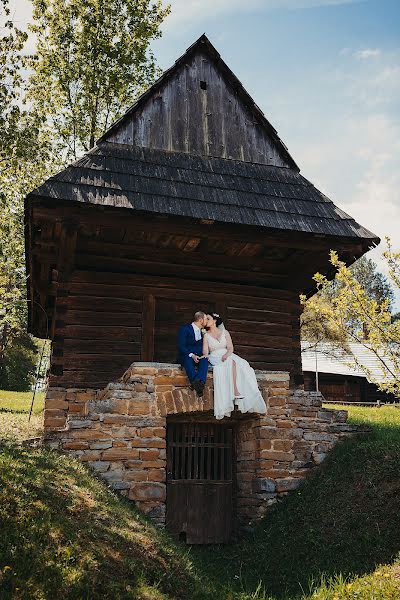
x=120, y=432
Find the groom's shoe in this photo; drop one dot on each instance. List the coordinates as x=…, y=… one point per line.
x=198, y=386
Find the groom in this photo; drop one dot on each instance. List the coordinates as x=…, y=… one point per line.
x=190, y=351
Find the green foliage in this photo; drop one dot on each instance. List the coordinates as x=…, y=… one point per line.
x=18, y=367
x=64, y=534
x=24, y=152
x=359, y=316
x=315, y=327
x=336, y=537
x=92, y=61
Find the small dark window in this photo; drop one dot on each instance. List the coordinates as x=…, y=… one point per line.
x=203, y=85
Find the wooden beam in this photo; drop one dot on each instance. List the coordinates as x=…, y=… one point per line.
x=65, y=262
x=148, y=325
x=169, y=284
x=136, y=221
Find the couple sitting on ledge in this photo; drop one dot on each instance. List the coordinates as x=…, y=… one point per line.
x=206, y=341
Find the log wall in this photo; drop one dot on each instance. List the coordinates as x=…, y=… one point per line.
x=107, y=320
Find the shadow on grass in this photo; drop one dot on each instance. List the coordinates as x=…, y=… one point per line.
x=65, y=535
x=345, y=519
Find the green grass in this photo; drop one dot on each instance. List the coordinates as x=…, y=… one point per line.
x=14, y=415
x=20, y=402
x=340, y=527
x=64, y=534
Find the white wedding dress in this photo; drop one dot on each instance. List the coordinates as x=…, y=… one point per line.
x=246, y=382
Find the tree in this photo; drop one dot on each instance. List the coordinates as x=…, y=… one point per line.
x=92, y=61
x=25, y=152
x=353, y=306
x=315, y=328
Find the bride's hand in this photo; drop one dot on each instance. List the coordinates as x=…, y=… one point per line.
x=225, y=356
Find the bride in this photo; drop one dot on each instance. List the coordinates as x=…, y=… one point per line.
x=234, y=379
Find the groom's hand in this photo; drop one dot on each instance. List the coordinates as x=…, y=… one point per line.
x=195, y=358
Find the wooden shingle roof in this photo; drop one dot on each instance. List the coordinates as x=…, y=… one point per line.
x=228, y=191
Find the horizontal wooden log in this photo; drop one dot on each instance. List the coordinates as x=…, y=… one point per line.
x=91, y=317
x=85, y=332
x=273, y=354
x=261, y=327
x=260, y=341
x=101, y=304
x=97, y=362
x=203, y=273
x=167, y=334
x=100, y=347
x=127, y=220
x=158, y=283
x=199, y=255
x=87, y=379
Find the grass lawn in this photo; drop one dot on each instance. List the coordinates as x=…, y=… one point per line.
x=14, y=414
x=336, y=537
x=20, y=402
x=65, y=534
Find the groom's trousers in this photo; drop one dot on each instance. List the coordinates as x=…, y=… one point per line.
x=190, y=367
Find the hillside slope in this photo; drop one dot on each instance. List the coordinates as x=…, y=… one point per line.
x=65, y=535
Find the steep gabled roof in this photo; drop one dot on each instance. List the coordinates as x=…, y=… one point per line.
x=229, y=191
x=204, y=45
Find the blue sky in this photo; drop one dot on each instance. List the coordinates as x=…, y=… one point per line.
x=327, y=76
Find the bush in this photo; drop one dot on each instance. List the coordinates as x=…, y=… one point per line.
x=17, y=370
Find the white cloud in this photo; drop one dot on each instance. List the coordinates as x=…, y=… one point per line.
x=186, y=11
x=353, y=155
x=367, y=53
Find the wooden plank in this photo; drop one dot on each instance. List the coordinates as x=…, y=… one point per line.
x=235, y=314
x=77, y=346
x=91, y=317
x=205, y=272
x=88, y=378
x=263, y=328
x=171, y=284
x=101, y=304
x=148, y=326
x=85, y=332
x=131, y=221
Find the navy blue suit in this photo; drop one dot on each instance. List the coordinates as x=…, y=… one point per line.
x=186, y=344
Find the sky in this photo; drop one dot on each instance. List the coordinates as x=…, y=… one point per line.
x=326, y=73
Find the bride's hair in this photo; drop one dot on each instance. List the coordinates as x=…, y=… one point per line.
x=216, y=317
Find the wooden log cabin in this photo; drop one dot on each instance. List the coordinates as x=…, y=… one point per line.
x=189, y=201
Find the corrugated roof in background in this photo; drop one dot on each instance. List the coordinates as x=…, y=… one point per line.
x=330, y=359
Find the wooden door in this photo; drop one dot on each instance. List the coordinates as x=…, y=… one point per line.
x=170, y=314
x=200, y=482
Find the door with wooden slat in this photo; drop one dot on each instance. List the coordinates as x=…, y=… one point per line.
x=200, y=482
x=170, y=314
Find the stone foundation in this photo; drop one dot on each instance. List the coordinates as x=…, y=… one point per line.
x=120, y=432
